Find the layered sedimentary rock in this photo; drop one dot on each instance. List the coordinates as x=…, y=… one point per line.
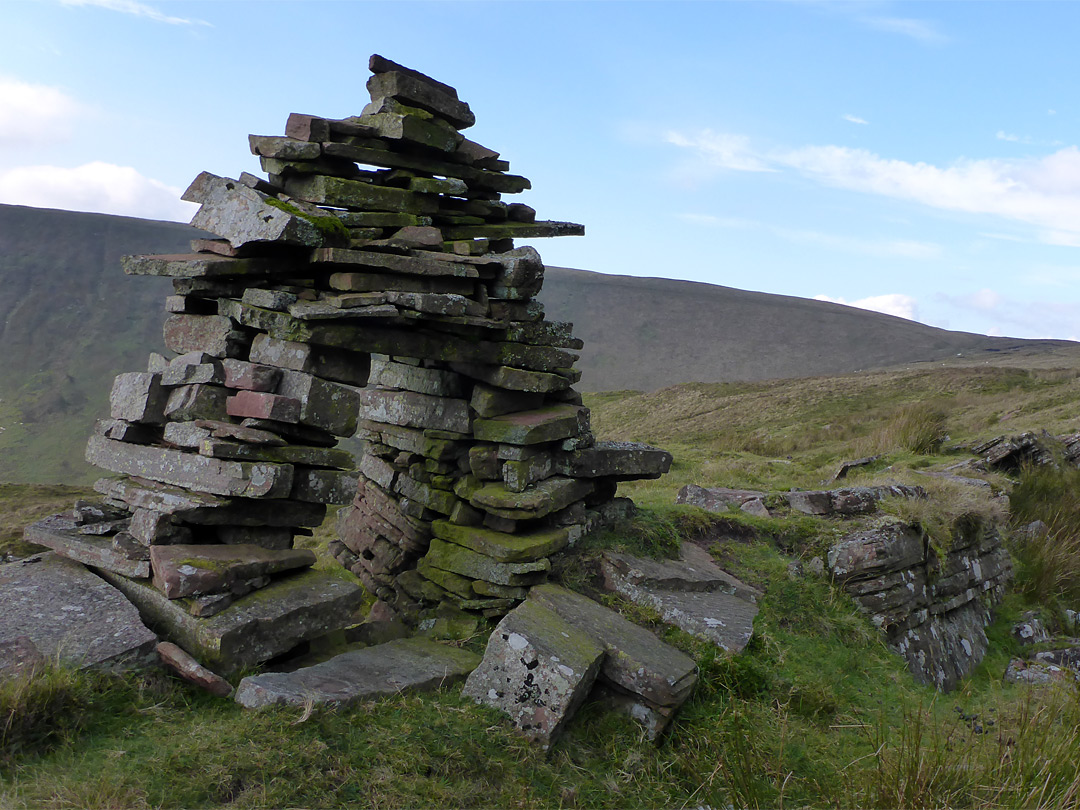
x=368, y=286
x=932, y=608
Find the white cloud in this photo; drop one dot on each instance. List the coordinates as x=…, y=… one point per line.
x=135, y=9
x=898, y=304
x=1044, y=192
x=1023, y=319
x=33, y=113
x=921, y=30
x=100, y=187
x=722, y=150
x=854, y=119
x=1005, y=136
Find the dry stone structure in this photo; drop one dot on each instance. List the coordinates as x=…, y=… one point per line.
x=369, y=286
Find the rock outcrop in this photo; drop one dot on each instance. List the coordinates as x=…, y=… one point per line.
x=932, y=608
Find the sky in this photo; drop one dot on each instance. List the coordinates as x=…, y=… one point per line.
x=916, y=158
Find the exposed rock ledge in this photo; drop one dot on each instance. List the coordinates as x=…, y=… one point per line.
x=933, y=609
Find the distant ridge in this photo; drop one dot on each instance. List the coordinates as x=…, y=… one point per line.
x=72, y=320
x=649, y=333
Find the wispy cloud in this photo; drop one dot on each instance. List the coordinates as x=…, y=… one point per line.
x=920, y=30
x=136, y=9
x=1026, y=319
x=1044, y=192
x=898, y=304
x=99, y=187
x=34, y=113
x=854, y=119
x=879, y=248
x=1005, y=136
x=723, y=150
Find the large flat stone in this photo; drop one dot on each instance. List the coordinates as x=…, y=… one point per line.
x=60, y=533
x=693, y=595
x=187, y=570
x=637, y=661
x=215, y=476
x=385, y=670
x=242, y=215
x=256, y=628
x=210, y=510
x=534, y=427
x=70, y=615
x=538, y=668
x=411, y=409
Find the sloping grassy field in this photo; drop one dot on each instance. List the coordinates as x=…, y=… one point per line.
x=816, y=711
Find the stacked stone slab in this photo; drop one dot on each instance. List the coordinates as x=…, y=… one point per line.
x=388, y=302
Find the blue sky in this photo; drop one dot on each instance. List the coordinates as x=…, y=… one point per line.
x=917, y=158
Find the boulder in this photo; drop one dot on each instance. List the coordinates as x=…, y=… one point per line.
x=538, y=668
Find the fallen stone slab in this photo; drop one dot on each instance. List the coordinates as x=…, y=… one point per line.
x=692, y=593
x=538, y=668
x=637, y=661
x=187, y=570
x=192, y=671
x=60, y=533
x=403, y=665
x=253, y=629
x=854, y=464
x=70, y=615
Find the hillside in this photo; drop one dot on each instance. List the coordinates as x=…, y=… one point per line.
x=648, y=333
x=73, y=320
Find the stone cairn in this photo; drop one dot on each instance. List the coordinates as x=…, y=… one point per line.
x=387, y=303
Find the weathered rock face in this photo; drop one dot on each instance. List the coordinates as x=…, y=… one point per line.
x=1012, y=452
x=933, y=610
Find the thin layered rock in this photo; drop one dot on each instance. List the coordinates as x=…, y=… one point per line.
x=368, y=286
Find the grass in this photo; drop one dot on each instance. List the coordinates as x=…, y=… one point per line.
x=815, y=712
x=22, y=504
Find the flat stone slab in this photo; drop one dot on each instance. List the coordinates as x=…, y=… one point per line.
x=60, y=533
x=637, y=661
x=621, y=460
x=691, y=593
x=191, y=471
x=187, y=570
x=538, y=668
x=255, y=628
x=533, y=427
x=69, y=614
x=538, y=500
x=500, y=546
x=404, y=665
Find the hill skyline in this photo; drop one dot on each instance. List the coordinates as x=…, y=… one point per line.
x=73, y=321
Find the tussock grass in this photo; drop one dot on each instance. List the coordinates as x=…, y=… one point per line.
x=1049, y=563
x=919, y=427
